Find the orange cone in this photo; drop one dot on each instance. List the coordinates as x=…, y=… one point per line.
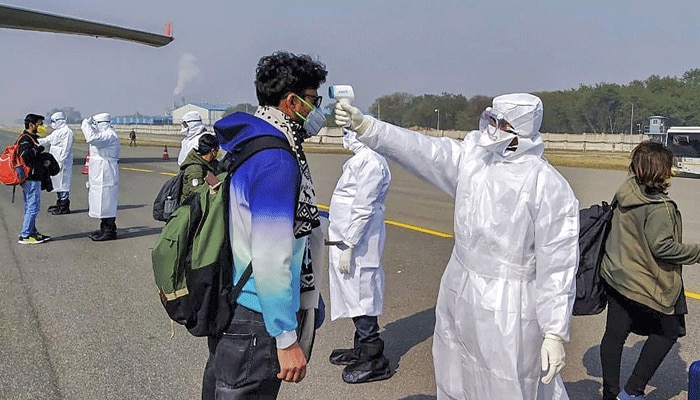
x=87, y=160
x=166, y=157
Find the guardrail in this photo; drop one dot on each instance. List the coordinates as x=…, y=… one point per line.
x=585, y=142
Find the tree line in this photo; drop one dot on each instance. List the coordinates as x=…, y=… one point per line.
x=601, y=108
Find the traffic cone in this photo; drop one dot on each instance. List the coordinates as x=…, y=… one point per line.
x=87, y=160
x=166, y=157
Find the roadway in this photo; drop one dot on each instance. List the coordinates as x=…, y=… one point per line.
x=82, y=320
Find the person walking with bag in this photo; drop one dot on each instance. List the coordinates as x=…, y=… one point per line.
x=642, y=266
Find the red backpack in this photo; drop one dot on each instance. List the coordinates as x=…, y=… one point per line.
x=13, y=169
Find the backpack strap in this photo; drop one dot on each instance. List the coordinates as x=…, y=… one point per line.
x=233, y=160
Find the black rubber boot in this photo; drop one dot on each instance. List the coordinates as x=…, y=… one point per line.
x=63, y=207
x=51, y=209
x=371, y=364
x=346, y=356
x=108, y=230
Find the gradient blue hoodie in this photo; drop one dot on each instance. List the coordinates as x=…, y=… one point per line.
x=264, y=194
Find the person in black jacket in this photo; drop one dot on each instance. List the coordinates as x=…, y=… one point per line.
x=31, y=152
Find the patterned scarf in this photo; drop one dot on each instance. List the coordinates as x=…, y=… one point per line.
x=306, y=217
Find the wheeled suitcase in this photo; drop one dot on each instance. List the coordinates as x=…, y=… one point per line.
x=694, y=381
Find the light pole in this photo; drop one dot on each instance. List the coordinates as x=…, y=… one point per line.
x=631, y=118
x=437, y=110
x=639, y=129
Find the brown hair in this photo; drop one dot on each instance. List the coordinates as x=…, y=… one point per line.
x=651, y=166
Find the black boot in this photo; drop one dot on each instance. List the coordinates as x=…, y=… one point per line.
x=63, y=207
x=346, y=356
x=371, y=364
x=108, y=230
x=51, y=209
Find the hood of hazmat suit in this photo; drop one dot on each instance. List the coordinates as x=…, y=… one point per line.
x=61, y=142
x=511, y=277
x=357, y=218
x=103, y=171
x=195, y=128
x=523, y=112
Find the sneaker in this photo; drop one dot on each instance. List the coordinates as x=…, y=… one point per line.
x=41, y=237
x=625, y=396
x=32, y=239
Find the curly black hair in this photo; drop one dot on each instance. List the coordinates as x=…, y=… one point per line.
x=283, y=72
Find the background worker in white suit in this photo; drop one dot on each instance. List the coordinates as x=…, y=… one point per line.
x=61, y=141
x=103, y=174
x=356, y=276
x=504, y=305
x=193, y=129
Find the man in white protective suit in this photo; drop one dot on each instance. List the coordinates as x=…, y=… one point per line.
x=61, y=141
x=103, y=174
x=356, y=276
x=504, y=306
x=192, y=128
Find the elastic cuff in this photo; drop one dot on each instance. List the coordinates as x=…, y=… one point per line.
x=364, y=126
x=286, y=339
x=553, y=337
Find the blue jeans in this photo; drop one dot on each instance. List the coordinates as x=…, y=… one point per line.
x=242, y=361
x=32, y=204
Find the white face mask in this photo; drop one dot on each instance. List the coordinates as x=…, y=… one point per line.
x=497, y=142
x=57, y=123
x=314, y=122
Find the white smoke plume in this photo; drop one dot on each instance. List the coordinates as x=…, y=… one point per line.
x=187, y=71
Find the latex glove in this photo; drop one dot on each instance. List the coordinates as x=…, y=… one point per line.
x=344, y=262
x=351, y=117
x=553, y=356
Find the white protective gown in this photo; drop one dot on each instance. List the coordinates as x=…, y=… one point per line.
x=511, y=275
x=191, y=140
x=61, y=141
x=357, y=217
x=103, y=170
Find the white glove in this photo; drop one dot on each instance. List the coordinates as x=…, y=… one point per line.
x=553, y=356
x=351, y=117
x=344, y=262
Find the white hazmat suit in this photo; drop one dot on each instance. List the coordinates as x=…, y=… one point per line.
x=61, y=141
x=103, y=171
x=505, y=298
x=195, y=128
x=357, y=218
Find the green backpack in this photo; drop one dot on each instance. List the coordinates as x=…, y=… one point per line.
x=192, y=257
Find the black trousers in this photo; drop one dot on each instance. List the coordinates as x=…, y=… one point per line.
x=242, y=362
x=619, y=324
x=366, y=328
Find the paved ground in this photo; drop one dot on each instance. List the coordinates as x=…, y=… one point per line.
x=82, y=320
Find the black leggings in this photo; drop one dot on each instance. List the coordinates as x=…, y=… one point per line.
x=617, y=328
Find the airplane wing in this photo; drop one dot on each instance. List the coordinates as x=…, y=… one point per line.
x=18, y=18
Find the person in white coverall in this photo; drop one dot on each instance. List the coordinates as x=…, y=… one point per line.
x=103, y=174
x=61, y=141
x=356, y=234
x=192, y=128
x=504, y=305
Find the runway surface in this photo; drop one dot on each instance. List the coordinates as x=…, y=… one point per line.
x=82, y=320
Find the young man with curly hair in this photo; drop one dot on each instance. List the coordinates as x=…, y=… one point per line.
x=272, y=215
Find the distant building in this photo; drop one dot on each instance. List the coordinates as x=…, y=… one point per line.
x=210, y=112
x=139, y=119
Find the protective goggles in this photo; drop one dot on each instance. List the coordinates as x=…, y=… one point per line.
x=315, y=100
x=56, y=120
x=492, y=121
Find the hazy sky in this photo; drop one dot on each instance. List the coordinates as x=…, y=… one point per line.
x=379, y=46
